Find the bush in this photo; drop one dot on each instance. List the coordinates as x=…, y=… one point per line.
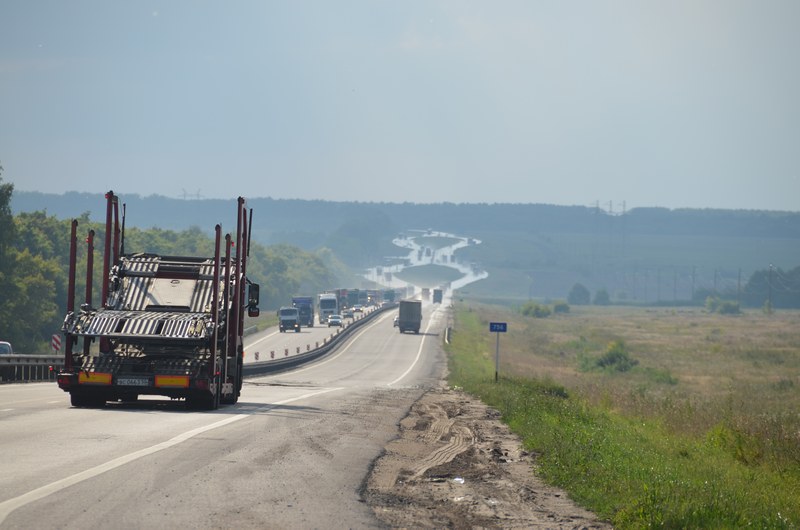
x=728, y=308
x=616, y=358
x=723, y=307
x=560, y=307
x=601, y=297
x=579, y=295
x=531, y=309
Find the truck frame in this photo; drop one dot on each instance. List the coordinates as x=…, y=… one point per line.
x=167, y=325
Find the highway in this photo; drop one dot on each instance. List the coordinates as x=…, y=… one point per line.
x=292, y=453
x=272, y=344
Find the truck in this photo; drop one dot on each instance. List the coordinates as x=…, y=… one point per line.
x=164, y=325
x=305, y=306
x=389, y=295
x=352, y=298
x=289, y=318
x=437, y=296
x=328, y=305
x=409, y=316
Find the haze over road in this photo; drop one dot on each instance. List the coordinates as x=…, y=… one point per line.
x=292, y=453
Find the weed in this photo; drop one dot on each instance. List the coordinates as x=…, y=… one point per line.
x=692, y=437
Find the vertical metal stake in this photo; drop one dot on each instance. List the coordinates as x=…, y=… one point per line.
x=496, y=356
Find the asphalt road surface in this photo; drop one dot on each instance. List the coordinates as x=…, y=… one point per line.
x=293, y=453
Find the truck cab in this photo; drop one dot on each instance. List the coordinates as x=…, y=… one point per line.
x=289, y=318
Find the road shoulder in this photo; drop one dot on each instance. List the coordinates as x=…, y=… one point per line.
x=455, y=464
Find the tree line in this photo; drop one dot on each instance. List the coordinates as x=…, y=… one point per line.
x=34, y=265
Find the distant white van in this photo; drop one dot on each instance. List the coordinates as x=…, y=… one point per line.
x=6, y=349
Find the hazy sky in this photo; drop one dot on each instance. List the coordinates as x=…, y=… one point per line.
x=676, y=103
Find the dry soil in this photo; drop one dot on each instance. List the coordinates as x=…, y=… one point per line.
x=456, y=465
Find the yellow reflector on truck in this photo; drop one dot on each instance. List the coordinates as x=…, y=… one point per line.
x=176, y=381
x=94, y=378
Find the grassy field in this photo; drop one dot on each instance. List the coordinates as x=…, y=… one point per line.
x=650, y=417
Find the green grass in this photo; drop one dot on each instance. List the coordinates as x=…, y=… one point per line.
x=720, y=466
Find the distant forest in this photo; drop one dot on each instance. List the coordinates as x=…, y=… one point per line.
x=312, y=224
x=643, y=255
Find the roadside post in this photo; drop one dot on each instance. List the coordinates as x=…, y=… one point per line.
x=497, y=328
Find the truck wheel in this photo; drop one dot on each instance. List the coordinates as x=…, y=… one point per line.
x=83, y=401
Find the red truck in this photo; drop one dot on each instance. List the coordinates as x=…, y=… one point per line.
x=166, y=325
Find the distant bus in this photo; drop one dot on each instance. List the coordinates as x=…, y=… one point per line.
x=328, y=305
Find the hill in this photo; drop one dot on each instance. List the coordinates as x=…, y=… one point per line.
x=647, y=255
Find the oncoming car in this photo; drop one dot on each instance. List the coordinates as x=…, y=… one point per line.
x=335, y=320
x=6, y=349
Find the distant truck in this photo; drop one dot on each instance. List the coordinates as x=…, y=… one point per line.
x=328, y=305
x=410, y=316
x=289, y=318
x=437, y=296
x=352, y=297
x=305, y=306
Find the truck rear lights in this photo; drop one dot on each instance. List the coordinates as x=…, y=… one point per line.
x=201, y=384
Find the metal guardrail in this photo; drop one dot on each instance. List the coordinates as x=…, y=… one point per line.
x=26, y=368
x=15, y=368
x=286, y=363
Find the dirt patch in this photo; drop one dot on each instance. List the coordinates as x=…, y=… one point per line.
x=456, y=465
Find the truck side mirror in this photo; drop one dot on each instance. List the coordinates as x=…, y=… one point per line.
x=252, y=300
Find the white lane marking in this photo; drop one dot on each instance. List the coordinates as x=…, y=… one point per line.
x=6, y=507
x=262, y=339
x=6, y=410
x=419, y=351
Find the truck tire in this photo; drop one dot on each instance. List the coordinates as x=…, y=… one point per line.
x=84, y=401
x=197, y=402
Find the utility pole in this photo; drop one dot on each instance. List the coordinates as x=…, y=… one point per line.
x=769, y=286
x=715, y=282
x=658, y=285
x=675, y=285
x=623, y=229
x=739, y=289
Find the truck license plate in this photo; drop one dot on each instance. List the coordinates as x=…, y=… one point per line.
x=133, y=381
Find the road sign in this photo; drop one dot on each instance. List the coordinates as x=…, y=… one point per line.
x=498, y=327
x=56, y=342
